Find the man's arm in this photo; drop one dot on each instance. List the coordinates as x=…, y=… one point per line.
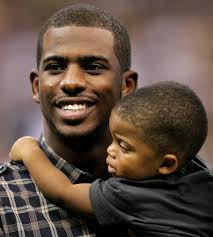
x=51, y=181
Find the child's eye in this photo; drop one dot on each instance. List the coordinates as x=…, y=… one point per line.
x=124, y=147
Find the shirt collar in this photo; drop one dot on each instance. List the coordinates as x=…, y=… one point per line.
x=74, y=174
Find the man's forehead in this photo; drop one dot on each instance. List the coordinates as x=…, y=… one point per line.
x=79, y=40
x=80, y=33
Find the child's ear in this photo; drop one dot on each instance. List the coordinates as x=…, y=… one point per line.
x=169, y=164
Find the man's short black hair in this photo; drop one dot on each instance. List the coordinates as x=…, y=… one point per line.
x=90, y=16
x=170, y=115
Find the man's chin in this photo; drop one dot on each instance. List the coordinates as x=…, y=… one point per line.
x=78, y=134
x=72, y=135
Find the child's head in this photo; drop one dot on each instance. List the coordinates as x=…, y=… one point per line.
x=155, y=130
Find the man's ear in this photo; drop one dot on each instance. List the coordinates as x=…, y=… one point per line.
x=34, y=80
x=130, y=82
x=169, y=164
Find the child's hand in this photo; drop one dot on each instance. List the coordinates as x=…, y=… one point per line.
x=22, y=148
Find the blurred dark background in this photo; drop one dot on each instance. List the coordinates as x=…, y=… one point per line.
x=171, y=40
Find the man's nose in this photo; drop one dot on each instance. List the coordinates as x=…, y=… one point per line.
x=73, y=79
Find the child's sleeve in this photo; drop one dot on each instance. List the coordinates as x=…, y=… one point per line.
x=110, y=202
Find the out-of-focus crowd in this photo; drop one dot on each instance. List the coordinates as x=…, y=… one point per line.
x=171, y=40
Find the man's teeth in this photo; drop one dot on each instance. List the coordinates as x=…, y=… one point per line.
x=74, y=107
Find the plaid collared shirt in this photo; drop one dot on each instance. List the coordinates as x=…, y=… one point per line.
x=25, y=212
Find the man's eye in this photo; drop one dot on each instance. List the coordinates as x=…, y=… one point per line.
x=94, y=69
x=54, y=68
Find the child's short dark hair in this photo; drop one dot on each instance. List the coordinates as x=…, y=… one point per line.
x=170, y=115
x=90, y=16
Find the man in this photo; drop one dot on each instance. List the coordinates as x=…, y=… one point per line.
x=83, y=69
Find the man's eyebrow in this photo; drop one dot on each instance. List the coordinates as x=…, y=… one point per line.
x=94, y=58
x=89, y=58
x=53, y=58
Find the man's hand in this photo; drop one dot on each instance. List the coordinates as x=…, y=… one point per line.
x=23, y=148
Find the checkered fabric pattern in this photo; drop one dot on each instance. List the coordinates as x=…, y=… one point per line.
x=25, y=212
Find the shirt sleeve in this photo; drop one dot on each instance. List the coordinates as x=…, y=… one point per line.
x=109, y=202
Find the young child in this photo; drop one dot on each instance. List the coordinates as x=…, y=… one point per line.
x=156, y=133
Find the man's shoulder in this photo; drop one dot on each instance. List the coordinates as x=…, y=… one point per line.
x=12, y=170
x=3, y=168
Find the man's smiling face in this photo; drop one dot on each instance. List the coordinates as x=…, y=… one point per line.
x=79, y=80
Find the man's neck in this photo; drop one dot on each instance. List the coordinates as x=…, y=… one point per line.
x=88, y=154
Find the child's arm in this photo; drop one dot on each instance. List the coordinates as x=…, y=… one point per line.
x=51, y=181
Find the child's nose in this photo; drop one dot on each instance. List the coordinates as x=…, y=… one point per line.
x=111, y=151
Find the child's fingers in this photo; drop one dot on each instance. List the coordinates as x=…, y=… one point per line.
x=10, y=156
x=24, y=142
x=27, y=139
x=22, y=148
x=14, y=157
